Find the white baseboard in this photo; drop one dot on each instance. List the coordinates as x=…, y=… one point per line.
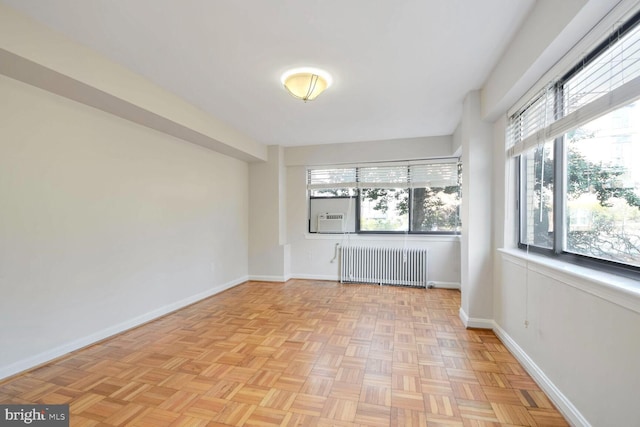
x=260, y=278
x=316, y=277
x=444, y=285
x=563, y=404
x=47, y=356
x=474, y=322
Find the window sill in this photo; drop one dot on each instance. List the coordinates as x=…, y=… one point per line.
x=384, y=237
x=619, y=290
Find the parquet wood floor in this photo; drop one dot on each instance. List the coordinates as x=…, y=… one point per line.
x=302, y=353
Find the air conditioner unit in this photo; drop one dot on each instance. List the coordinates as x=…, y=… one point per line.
x=330, y=222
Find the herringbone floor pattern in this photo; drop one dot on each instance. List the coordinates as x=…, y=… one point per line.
x=302, y=353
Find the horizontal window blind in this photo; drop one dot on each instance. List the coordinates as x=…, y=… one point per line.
x=538, y=114
x=611, y=69
x=601, y=84
x=392, y=176
x=383, y=177
x=318, y=179
x=434, y=175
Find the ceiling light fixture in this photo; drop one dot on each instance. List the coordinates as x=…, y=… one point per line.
x=306, y=83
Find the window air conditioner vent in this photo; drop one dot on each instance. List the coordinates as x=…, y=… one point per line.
x=330, y=222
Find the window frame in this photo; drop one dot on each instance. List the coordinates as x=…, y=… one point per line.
x=409, y=188
x=358, y=217
x=560, y=170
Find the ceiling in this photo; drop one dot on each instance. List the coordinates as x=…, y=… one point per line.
x=401, y=68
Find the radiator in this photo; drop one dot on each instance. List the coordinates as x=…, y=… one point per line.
x=388, y=266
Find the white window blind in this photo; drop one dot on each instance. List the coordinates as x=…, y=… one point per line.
x=618, y=65
x=600, y=85
x=383, y=177
x=441, y=174
x=318, y=179
x=434, y=175
x=535, y=116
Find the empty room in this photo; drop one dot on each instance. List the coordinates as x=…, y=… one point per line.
x=320, y=213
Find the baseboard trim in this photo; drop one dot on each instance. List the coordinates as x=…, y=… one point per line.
x=444, y=285
x=563, y=404
x=316, y=277
x=54, y=353
x=260, y=278
x=474, y=322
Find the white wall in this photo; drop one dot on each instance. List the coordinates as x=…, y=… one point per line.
x=268, y=252
x=370, y=151
x=105, y=224
x=585, y=346
x=311, y=254
x=476, y=137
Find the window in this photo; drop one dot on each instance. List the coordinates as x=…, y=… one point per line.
x=537, y=197
x=603, y=187
x=411, y=198
x=384, y=209
x=577, y=144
